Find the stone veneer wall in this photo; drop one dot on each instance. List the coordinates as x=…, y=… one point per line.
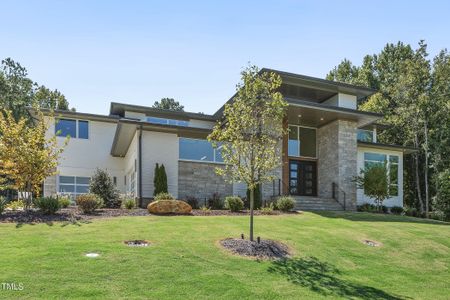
x=337, y=160
x=50, y=186
x=201, y=181
x=267, y=189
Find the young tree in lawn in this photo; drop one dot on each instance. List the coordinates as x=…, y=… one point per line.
x=373, y=179
x=27, y=156
x=251, y=131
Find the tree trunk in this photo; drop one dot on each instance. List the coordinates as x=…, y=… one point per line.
x=419, y=192
x=252, y=200
x=427, y=200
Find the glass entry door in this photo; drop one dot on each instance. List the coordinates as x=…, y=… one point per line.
x=302, y=178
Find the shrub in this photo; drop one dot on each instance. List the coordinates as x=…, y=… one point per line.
x=267, y=210
x=47, y=205
x=160, y=180
x=257, y=198
x=103, y=186
x=164, y=196
x=192, y=201
x=411, y=211
x=88, y=203
x=234, y=203
x=15, y=205
x=397, y=210
x=206, y=210
x=367, y=207
x=214, y=202
x=129, y=203
x=285, y=203
x=64, y=201
x=2, y=204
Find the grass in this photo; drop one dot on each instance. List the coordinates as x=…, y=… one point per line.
x=185, y=262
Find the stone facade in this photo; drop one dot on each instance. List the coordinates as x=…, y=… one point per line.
x=50, y=186
x=337, y=160
x=269, y=189
x=201, y=181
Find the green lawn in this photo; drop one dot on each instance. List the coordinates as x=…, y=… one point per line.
x=185, y=262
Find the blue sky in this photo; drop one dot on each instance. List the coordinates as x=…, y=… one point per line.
x=137, y=52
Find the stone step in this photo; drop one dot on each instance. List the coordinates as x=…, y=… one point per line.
x=316, y=203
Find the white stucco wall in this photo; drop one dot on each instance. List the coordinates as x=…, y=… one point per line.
x=201, y=124
x=161, y=148
x=393, y=201
x=342, y=100
x=81, y=157
x=134, y=115
x=130, y=160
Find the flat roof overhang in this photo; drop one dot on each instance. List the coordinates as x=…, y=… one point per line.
x=127, y=128
x=404, y=149
x=316, y=115
x=120, y=108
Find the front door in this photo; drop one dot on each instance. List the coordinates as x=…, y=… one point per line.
x=302, y=178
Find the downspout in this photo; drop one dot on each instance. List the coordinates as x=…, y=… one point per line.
x=140, y=166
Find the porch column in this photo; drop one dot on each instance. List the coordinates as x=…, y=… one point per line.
x=337, y=160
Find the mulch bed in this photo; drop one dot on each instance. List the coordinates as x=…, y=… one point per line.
x=266, y=249
x=72, y=214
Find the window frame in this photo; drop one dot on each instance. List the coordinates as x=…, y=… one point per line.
x=387, y=162
x=75, y=184
x=77, y=128
x=372, y=134
x=298, y=139
x=167, y=121
x=214, y=161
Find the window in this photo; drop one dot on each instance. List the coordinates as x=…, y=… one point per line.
x=199, y=150
x=302, y=141
x=73, y=185
x=391, y=162
x=73, y=128
x=164, y=121
x=365, y=135
x=131, y=183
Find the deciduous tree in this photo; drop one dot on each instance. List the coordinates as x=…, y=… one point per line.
x=251, y=131
x=27, y=156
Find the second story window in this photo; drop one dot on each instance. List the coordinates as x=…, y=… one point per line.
x=73, y=128
x=365, y=135
x=164, y=121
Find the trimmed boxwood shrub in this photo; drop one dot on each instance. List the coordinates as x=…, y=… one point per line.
x=47, y=205
x=164, y=196
x=88, y=203
x=397, y=210
x=285, y=203
x=234, y=203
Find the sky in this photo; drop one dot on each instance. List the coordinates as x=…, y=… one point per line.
x=97, y=52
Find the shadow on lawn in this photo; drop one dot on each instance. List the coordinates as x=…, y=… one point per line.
x=374, y=217
x=321, y=278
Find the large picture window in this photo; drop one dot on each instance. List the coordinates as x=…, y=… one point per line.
x=73, y=128
x=302, y=141
x=199, y=150
x=73, y=185
x=391, y=162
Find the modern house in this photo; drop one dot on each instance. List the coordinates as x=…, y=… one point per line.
x=329, y=141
